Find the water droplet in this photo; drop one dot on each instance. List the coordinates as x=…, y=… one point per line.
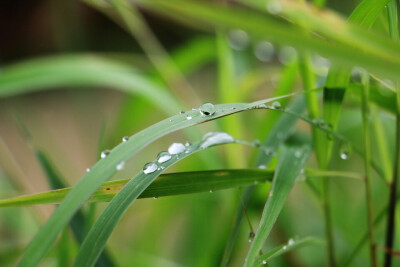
x=155, y=197
x=320, y=122
x=264, y=51
x=274, y=7
x=187, y=144
x=284, y=247
x=264, y=262
x=176, y=148
x=297, y=154
x=287, y=54
x=302, y=171
x=276, y=105
x=163, y=157
x=238, y=39
x=125, y=138
x=188, y=117
x=257, y=143
x=262, y=166
x=345, y=150
x=170, y=120
x=291, y=242
x=252, y=235
x=105, y=153
x=207, y=109
x=149, y=167
x=211, y=191
x=182, y=112
x=88, y=169
x=268, y=151
x=215, y=138
x=321, y=65
x=120, y=166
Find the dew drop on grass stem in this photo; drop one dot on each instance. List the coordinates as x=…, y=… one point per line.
x=149, y=168
x=207, y=109
x=176, y=148
x=264, y=51
x=163, y=156
x=125, y=138
x=105, y=153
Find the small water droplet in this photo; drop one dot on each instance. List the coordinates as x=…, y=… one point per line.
x=268, y=151
x=345, y=150
x=320, y=122
x=291, y=242
x=214, y=138
x=155, y=197
x=120, y=166
x=163, y=156
x=149, y=167
x=257, y=143
x=188, y=117
x=252, y=235
x=182, y=112
x=238, y=39
x=284, y=247
x=262, y=166
x=88, y=169
x=105, y=153
x=274, y=7
x=125, y=138
x=207, y=109
x=287, y=54
x=264, y=51
x=276, y=105
x=176, y=148
x=264, y=262
x=170, y=120
x=211, y=191
x=187, y=144
x=297, y=154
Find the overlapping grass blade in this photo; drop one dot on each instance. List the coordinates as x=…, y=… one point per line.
x=290, y=163
x=282, y=249
x=106, y=167
x=105, y=224
x=171, y=184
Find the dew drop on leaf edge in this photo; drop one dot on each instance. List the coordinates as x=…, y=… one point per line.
x=207, y=109
x=176, y=148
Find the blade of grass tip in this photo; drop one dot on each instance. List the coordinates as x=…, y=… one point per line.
x=170, y=184
x=276, y=136
x=367, y=159
x=78, y=222
x=229, y=93
x=290, y=163
x=106, y=167
x=390, y=228
x=167, y=69
x=291, y=245
x=105, y=224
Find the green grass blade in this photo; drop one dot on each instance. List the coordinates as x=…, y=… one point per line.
x=82, y=71
x=290, y=164
x=106, y=167
x=105, y=224
x=166, y=185
x=291, y=245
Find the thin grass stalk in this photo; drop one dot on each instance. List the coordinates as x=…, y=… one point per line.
x=390, y=228
x=367, y=157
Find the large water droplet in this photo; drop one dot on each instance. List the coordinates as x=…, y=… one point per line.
x=238, y=39
x=125, y=138
x=149, y=167
x=264, y=51
x=120, y=166
x=207, y=109
x=176, y=148
x=215, y=138
x=105, y=153
x=163, y=157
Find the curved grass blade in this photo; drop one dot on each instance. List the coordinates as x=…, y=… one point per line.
x=170, y=184
x=82, y=71
x=107, y=221
x=106, y=167
x=291, y=162
x=291, y=245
